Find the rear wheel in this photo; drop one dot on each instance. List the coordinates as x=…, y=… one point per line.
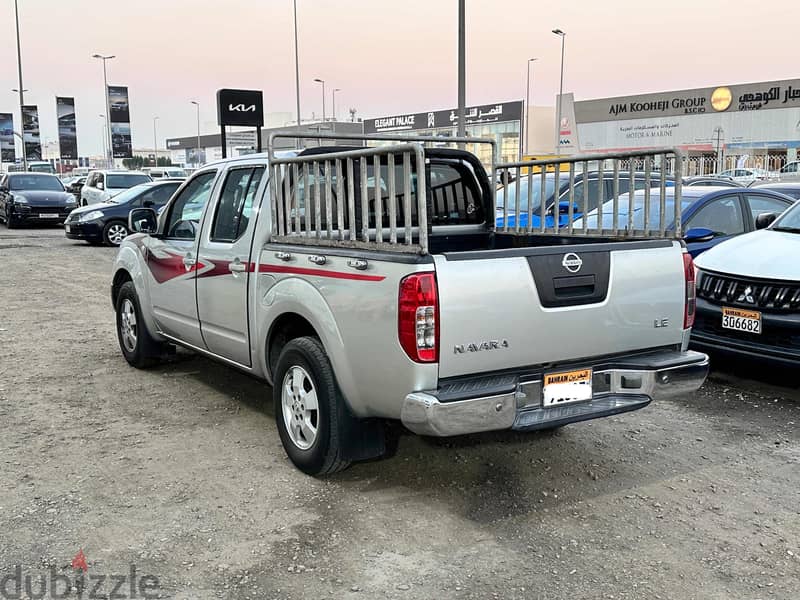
x=114, y=232
x=137, y=345
x=309, y=408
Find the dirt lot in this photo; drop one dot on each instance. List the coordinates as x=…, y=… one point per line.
x=178, y=472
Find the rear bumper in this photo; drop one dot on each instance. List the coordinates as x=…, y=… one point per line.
x=514, y=400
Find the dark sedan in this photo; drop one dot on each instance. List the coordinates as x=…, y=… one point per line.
x=107, y=223
x=33, y=198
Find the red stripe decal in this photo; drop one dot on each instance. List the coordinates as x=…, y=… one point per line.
x=318, y=273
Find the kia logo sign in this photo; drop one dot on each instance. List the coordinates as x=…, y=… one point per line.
x=240, y=107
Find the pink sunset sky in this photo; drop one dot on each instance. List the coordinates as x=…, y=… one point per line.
x=387, y=57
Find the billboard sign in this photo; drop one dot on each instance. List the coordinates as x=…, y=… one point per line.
x=7, y=149
x=30, y=132
x=120, y=117
x=240, y=107
x=485, y=114
x=67, y=134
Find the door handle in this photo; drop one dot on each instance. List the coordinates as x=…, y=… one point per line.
x=237, y=266
x=189, y=261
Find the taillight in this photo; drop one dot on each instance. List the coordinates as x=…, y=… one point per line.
x=418, y=318
x=691, y=294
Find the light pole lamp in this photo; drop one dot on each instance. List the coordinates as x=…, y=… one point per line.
x=322, y=81
x=563, y=36
x=197, y=157
x=334, y=101
x=110, y=155
x=155, y=143
x=527, y=131
x=21, y=90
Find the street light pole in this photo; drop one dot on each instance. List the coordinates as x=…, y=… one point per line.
x=334, y=101
x=155, y=143
x=462, y=69
x=322, y=81
x=105, y=138
x=197, y=157
x=21, y=89
x=528, y=104
x=110, y=155
x=296, y=64
x=563, y=36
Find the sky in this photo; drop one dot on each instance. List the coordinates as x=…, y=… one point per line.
x=387, y=57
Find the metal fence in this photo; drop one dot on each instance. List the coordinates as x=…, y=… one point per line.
x=581, y=195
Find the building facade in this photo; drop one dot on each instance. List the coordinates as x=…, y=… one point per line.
x=753, y=123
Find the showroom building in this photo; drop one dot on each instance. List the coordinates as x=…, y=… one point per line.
x=753, y=123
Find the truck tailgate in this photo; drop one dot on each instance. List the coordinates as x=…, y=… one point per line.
x=502, y=309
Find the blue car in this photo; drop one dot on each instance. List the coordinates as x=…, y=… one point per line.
x=594, y=195
x=710, y=215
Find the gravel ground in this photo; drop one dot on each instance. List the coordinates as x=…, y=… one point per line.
x=178, y=472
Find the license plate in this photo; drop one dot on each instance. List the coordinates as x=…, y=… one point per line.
x=48, y=215
x=66, y=228
x=567, y=387
x=740, y=319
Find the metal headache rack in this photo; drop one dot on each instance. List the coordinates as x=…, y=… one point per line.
x=598, y=214
x=369, y=197
x=377, y=197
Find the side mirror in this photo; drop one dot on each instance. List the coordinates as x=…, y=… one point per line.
x=101, y=186
x=143, y=220
x=764, y=220
x=698, y=234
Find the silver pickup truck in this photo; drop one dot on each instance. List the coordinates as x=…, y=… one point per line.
x=372, y=283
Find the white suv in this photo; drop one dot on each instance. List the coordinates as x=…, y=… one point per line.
x=100, y=186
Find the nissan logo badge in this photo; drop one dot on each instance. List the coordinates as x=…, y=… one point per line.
x=572, y=262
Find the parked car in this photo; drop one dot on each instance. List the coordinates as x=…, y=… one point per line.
x=102, y=185
x=748, y=293
x=790, y=171
x=352, y=322
x=107, y=222
x=709, y=216
x=74, y=185
x=787, y=188
x=709, y=181
x=165, y=172
x=553, y=180
x=747, y=176
x=33, y=198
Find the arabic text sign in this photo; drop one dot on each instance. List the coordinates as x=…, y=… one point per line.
x=474, y=115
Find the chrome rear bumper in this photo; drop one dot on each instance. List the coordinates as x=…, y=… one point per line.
x=515, y=401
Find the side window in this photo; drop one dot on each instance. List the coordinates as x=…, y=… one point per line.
x=594, y=194
x=157, y=196
x=99, y=178
x=764, y=204
x=186, y=211
x=235, y=204
x=723, y=216
x=790, y=168
x=90, y=180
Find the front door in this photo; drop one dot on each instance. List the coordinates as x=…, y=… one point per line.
x=226, y=264
x=172, y=261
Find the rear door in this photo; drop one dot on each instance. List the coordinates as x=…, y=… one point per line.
x=533, y=306
x=172, y=261
x=224, y=265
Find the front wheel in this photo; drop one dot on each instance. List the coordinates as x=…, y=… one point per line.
x=137, y=345
x=11, y=222
x=114, y=232
x=309, y=409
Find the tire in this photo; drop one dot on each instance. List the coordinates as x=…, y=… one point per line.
x=137, y=345
x=11, y=222
x=315, y=442
x=114, y=232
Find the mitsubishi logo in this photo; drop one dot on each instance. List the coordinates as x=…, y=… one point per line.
x=747, y=296
x=242, y=107
x=572, y=262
